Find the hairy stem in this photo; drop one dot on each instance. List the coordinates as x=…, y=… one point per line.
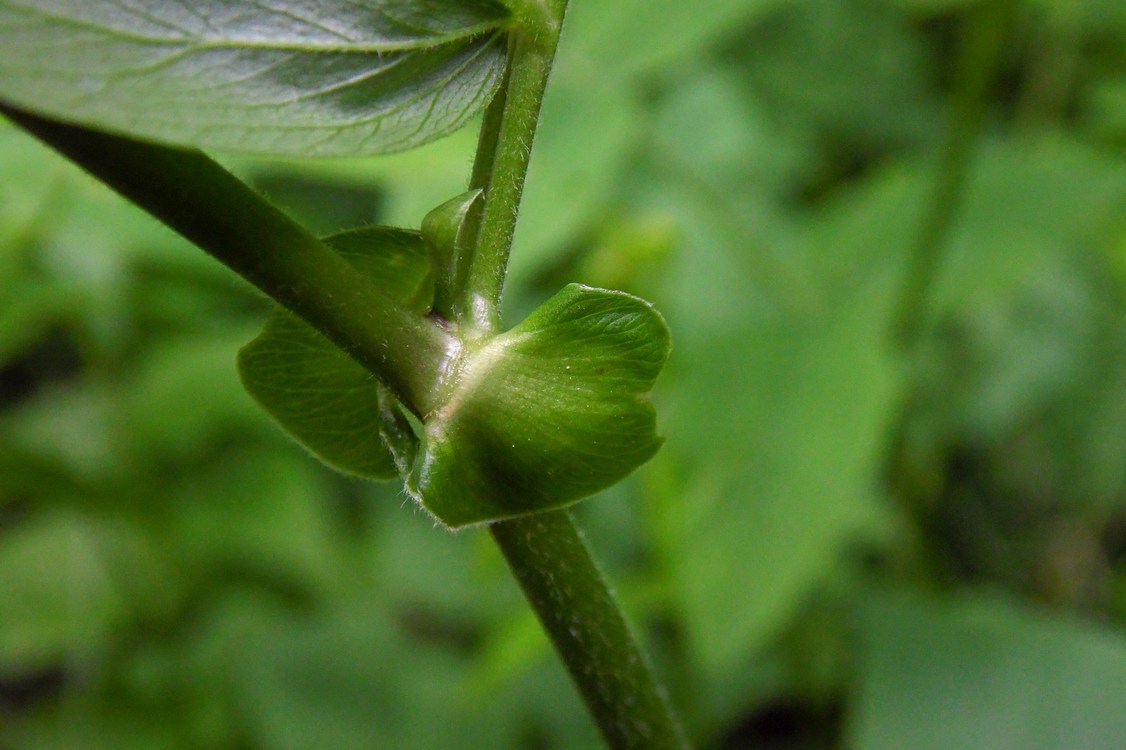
x=503, y=153
x=982, y=42
x=551, y=561
x=212, y=208
x=546, y=551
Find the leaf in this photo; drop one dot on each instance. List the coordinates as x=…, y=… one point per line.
x=737, y=149
x=631, y=36
x=443, y=231
x=547, y=413
x=276, y=77
x=316, y=392
x=1024, y=211
x=563, y=192
x=357, y=676
x=805, y=67
x=783, y=421
x=535, y=418
x=595, y=107
x=70, y=584
x=184, y=396
x=984, y=675
x=254, y=509
x=787, y=390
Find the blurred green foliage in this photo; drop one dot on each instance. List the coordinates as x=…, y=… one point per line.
x=840, y=545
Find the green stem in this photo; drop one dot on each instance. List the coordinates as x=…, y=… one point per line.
x=212, y=208
x=546, y=551
x=551, y=561
x=501, y=165
x=489, y=138
x=982, y=42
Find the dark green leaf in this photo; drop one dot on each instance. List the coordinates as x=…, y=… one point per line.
x=547, y=413
x=278, y=77
x=322, y=397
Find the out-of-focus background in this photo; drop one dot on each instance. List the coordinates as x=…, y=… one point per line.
x=847, y=542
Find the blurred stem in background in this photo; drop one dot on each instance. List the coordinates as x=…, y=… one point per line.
x=981, y=45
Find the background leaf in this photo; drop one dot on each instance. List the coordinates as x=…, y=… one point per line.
x=782, y=481
x=982, y=674
x=67, y=585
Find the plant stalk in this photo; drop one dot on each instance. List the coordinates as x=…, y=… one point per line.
x=211, y=207
x=564, y=585
x=503, y=154
x=546, y=551
x=982, y=41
